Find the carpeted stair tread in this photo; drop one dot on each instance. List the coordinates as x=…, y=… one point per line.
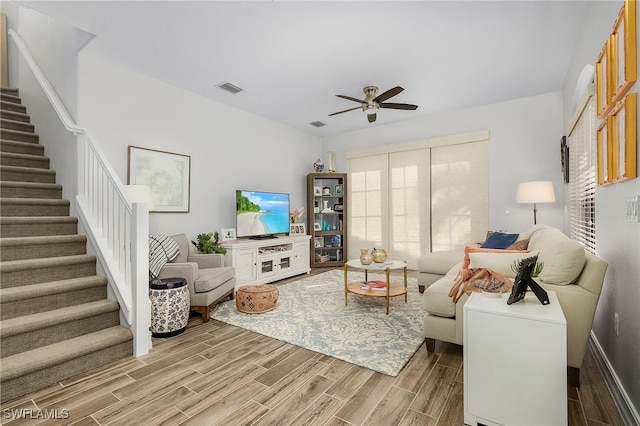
x=32, y=271
x=57, y=353
x=13, y=189
x=34, y=207
x=8, y=96
x=21, y=147
x=42, y=329
x=25, y=160
x=21, y=126
x=35, y=298
x=26, y=174
x=17, y=135
x=16, y=116
x=37, y=226
x=41, y=247
x=12, y=106
x=46, y=319
x=26, y=292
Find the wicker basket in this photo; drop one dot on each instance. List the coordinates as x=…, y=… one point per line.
x=322, y=257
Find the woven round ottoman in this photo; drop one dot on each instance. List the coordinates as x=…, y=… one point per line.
x=254, y=299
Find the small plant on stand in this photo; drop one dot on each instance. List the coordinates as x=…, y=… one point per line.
x=208, y=243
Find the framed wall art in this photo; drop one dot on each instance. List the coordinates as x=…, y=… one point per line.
x=602, y=147
x=564, y=158
x=623, y=51
x=623, y=145
x=167, y=174
x=604, y=103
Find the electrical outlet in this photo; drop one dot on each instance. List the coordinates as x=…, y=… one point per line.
x=616, y=323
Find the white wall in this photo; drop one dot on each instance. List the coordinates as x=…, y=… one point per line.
x=229, y=149
x=617, y=241
x=524, y=145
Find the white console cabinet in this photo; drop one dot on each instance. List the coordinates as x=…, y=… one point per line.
x=515, y=361
x=267, y=260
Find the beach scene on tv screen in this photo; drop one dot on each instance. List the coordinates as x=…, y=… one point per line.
x=261, y=213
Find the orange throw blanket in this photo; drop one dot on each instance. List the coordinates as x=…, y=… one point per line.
x=479, y=279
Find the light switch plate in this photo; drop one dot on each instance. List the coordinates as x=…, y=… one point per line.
x=632, y=209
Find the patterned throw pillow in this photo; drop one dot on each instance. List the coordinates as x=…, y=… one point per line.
x=162, y=250
x=519, y=245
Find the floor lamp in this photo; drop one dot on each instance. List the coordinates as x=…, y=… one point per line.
x=535, y=192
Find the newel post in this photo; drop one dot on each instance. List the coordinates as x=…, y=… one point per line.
x=140, y=279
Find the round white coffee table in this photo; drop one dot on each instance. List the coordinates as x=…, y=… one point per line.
x=387, y=291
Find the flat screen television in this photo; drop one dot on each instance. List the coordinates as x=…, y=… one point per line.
x=261, y=214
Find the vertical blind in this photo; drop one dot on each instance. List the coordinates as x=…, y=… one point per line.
x=414, y=198
x=582, y=175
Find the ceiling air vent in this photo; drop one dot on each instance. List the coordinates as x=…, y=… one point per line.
x=230, y=87
x=318, y=124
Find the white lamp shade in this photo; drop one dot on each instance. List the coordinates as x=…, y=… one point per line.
x=140, y=194
x=536, y=192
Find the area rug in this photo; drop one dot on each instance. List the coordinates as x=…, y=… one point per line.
x=310, y=313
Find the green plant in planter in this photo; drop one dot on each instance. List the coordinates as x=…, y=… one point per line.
x=517, y=264
x=208, y=243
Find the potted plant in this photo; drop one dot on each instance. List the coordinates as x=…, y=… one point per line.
x=208, y=243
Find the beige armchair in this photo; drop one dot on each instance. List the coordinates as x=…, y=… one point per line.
x=209, y=281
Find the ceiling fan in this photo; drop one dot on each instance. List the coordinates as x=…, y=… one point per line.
x=373, y=102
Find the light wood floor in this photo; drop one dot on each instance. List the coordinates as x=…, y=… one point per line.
x=215, y=373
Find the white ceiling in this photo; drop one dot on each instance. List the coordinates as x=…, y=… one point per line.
x=292, y=58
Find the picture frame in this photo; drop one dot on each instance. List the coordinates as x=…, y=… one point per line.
x=623, y=52
x=317, y=226
x=602, y=151
x=228, y=234
x=297, y=229
x=318, y=242
x=604, y=103
x=623, y=140
x=317, y=191
x=338, y=190
x=338, y=207
x=167, y=174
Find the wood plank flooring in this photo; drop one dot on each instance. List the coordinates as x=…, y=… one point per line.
x=215, y=373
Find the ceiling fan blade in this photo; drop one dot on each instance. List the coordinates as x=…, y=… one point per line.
x=391, y=105
x=350, y=98
x=346, y=110
x=388, y=94
x=371, y=117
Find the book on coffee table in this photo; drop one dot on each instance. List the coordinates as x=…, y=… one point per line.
x=374, y=285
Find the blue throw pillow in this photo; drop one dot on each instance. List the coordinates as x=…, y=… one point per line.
x=499, y=240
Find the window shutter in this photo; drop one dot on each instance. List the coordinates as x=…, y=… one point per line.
x=582, y=177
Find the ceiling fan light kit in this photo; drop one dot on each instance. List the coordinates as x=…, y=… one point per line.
x=373, y=102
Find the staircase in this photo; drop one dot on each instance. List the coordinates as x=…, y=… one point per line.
x=55, y=318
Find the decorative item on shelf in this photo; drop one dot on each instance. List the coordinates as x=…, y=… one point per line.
x=326, y=191
x=338, y=190
x=332, y=162
x=317, y=191
x=379, y=255
x=336, y=241
x=365, y=257
x=318, y=166
x=317, y=226
x=228, y=234
x=337, y=207
x=295, y=214
x=205, y=243
x=322, y=257
x=325, y=207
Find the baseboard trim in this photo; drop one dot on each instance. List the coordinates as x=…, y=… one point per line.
x=623, y=402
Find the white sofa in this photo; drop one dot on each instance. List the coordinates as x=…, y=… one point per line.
x=575, y=275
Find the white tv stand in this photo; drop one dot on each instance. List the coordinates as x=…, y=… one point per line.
x=267, y=260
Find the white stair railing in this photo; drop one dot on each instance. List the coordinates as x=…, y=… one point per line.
x=117, y=229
